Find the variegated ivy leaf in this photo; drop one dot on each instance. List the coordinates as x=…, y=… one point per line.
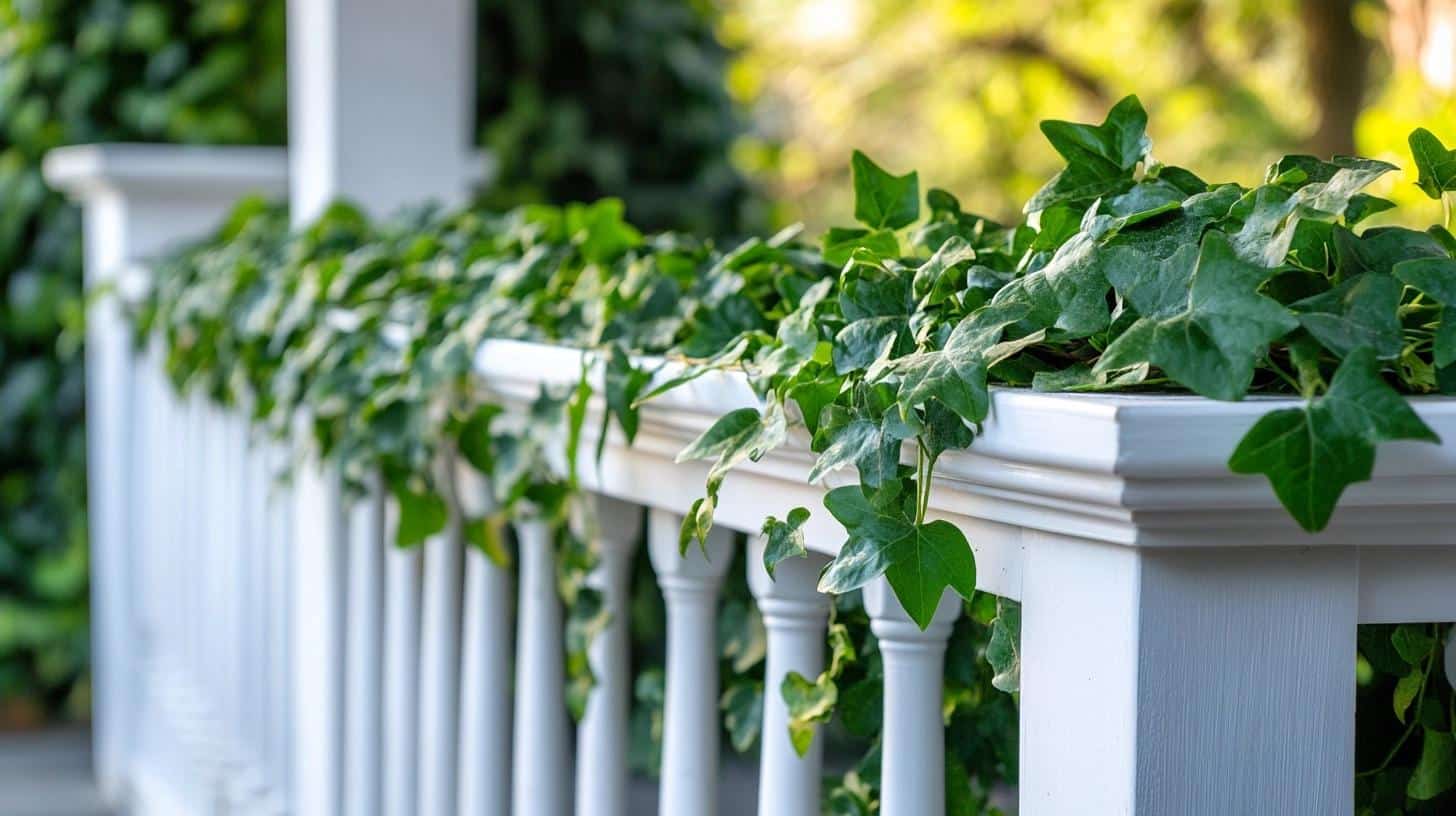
x=783, y=539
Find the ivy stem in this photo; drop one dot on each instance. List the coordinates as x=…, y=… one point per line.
x=922, y=481
x=1446, y=211
x=1415, y=715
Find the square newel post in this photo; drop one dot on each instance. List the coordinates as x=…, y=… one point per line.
x=136, y=201
x=380, y=112
x=1193, y=681
x=1185, y=647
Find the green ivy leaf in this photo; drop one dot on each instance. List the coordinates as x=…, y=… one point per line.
x=784, y=539
x=1435, y=773
x=1413, y=642
x=1003, y=650
x=936, y=556
x=422, y=513
x=1100, y=158
x=1220, y=328
x=873, y=530
x=809, y=704
x=1435, y=165
x=883, y=200
x=1312, y=453
x=1406, y=690
x=1360, y=312
x=1436, y=278
x=742, y=706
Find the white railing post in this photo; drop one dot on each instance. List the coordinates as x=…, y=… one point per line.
x=134, y=205
x=381, y=112
x=912, y=742
x=1188, y=680
x=690, y=731
x=485, y=680
x=539, y=750
x=795, y=616
x=601, y=744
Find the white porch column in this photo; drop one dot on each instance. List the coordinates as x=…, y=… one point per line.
x=136, y=200
x=1190, y=681
x=912, y=746
x=795, y=615
x=539, y=756
x=381, y=102
x=381, y=105
x=601, y=744
x=485, y=674
x=690, y=585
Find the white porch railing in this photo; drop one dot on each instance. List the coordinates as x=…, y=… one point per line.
x=1185, y=648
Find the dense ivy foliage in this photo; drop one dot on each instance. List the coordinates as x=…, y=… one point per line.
x=81, y=71
x=882, y=341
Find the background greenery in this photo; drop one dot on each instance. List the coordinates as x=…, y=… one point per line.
x=578, y=99
x=955, y=88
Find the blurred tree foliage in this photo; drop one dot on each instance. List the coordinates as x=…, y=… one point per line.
x=578, y=99
x=955, y=88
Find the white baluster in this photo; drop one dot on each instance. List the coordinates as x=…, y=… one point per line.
x=601, y=768
x=912, y=744
x=320, y=573
x=440, y=664
x=402, y=670
x=795, y=616
x=281, y=642
x=485, y=683
x=539, y=756
x=690, y=586
x=363, y=702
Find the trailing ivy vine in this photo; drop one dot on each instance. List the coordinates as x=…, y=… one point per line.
x=882, y=341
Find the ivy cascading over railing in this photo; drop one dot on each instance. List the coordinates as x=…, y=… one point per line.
x=1128, y=275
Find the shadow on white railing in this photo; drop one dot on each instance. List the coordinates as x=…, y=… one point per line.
x=1185, y=648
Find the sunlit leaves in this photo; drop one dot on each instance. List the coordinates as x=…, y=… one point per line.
x=1435, y=164
x=1100, y=158
x=883, y=200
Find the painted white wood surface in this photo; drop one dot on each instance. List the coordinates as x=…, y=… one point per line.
x=485, y=674
x=401, y=671
x=795, y=617
x=381, y=100
x=540, y=764
x=440, y=664
x=363, y=709
x=601, y=736
x=690, y=583
x=136, y=200
x=912, y=742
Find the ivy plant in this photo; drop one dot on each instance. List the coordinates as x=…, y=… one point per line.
x=882, y=342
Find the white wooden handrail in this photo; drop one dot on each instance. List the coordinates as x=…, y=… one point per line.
x=1145, y=569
